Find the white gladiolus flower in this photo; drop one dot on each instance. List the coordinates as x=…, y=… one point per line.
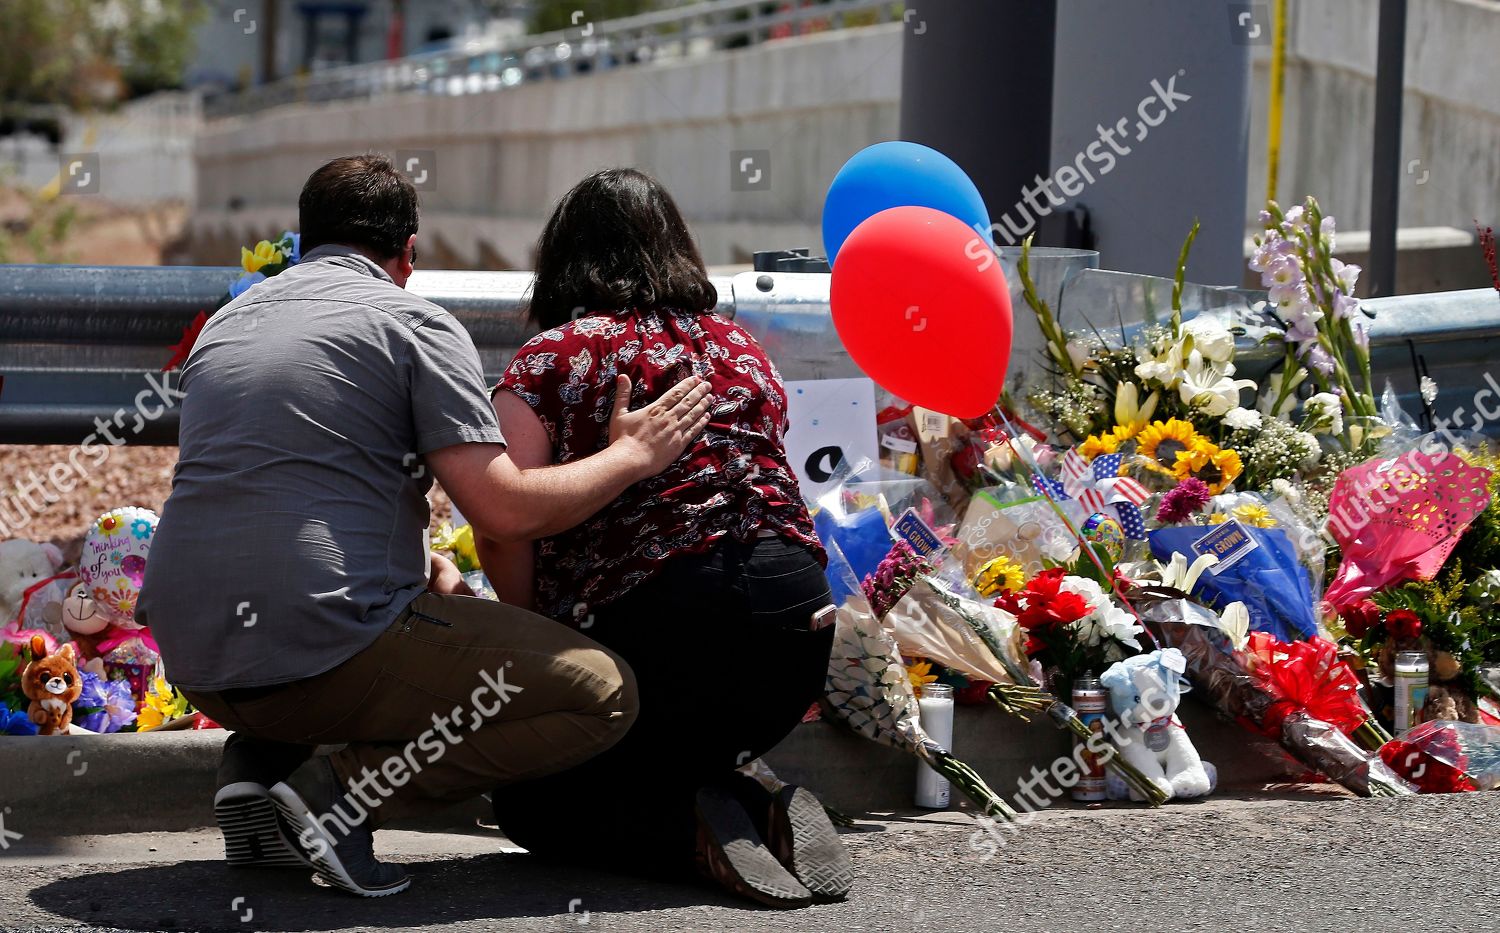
x=1164, y=367
x=1325, y=413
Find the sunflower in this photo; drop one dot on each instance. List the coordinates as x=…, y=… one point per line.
x=1002, y=573
x=1162, y=443
x=1223, y=467
x=919, y=672
x=1107, y=443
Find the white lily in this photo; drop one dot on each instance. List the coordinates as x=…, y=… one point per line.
x=1211, y=386
x=1179, y=576
x=1211, y=338
x=1234, y=622
x=1129, y=411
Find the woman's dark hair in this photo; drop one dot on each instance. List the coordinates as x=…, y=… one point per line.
x=617, y=242
x=358, y=201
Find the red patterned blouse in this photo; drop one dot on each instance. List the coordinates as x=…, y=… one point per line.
x=732, y=481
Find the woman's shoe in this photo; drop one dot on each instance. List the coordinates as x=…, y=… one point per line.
x=732, y=853
x=803, y=839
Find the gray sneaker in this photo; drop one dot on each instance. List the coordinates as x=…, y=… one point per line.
x=254, y=834
x=332, y=830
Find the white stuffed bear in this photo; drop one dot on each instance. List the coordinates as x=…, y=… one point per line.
x=23, y=564
x=1144, y=692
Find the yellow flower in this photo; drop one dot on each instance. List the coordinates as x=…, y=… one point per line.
x=1257, y=515
x=1224, y=467
x=264, y=254
x=1204, y=459
x=1162, y=442
x=920, y=673
x=459, y=542
x=1218, y=518
x=1106, y=443
x=162, y=705
x=1002, y=573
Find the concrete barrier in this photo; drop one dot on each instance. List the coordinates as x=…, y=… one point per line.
x=164, y=781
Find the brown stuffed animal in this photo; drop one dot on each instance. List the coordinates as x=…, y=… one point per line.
x=52, y=684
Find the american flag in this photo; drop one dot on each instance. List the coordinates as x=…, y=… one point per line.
x=1098, y=487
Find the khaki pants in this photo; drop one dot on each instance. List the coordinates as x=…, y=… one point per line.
x=457, y=696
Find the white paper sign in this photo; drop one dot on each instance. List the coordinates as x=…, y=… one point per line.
x=832, y=422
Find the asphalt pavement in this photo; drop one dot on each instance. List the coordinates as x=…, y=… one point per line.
x=1301, y=859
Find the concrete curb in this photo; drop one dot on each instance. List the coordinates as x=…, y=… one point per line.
x=164, y=781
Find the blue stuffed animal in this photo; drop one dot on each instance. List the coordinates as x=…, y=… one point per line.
x=1144, y=692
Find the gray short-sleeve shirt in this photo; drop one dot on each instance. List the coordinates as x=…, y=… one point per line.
x=296, y=528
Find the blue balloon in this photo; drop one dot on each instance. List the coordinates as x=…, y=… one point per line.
x=899, y=174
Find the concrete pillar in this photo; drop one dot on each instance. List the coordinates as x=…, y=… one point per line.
x=1183, y=65
x=976, y=85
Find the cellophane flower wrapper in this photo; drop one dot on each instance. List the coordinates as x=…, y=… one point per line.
x=1469, y=750
x=869, y=690
x=1225, y=679
x=857, y=515
x=1012, y=522
x=923, y=626
x=1397, y=518
x=1270, y=579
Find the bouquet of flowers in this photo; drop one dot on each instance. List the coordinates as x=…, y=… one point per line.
x=870, y=689
x=1273, y=691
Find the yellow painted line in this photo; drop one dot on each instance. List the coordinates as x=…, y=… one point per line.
x=1278, y=95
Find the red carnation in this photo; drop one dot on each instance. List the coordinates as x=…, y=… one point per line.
x=1053, y=610
x=1403, y=624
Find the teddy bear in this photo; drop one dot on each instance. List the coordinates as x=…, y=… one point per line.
x=23, y=564
x=1144, y=692
x=52, y=683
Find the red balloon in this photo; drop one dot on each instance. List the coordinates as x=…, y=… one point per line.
x=922, y=306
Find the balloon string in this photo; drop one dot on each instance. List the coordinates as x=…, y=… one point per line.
x=1084, y=543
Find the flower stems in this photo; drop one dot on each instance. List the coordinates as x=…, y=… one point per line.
x=973, y=786
x=1062, y=714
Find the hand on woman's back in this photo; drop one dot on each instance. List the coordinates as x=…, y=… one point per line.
x=662, y=430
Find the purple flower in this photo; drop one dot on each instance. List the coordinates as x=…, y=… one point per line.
x=1179, y=504
x=104, y=705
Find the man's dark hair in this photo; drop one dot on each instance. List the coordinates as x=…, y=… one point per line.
x=617, y=242
x=359, y=201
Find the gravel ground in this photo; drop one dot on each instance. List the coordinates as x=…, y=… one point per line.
x=140, y=476
x=1238, y=864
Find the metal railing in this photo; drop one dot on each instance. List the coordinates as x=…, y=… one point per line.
x=663, y=35
x=79, y=343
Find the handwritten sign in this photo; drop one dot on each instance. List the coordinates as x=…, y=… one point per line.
x=832, y=431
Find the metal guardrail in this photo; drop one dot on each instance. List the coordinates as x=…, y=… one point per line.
x=663, y=35
x=79, y=343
